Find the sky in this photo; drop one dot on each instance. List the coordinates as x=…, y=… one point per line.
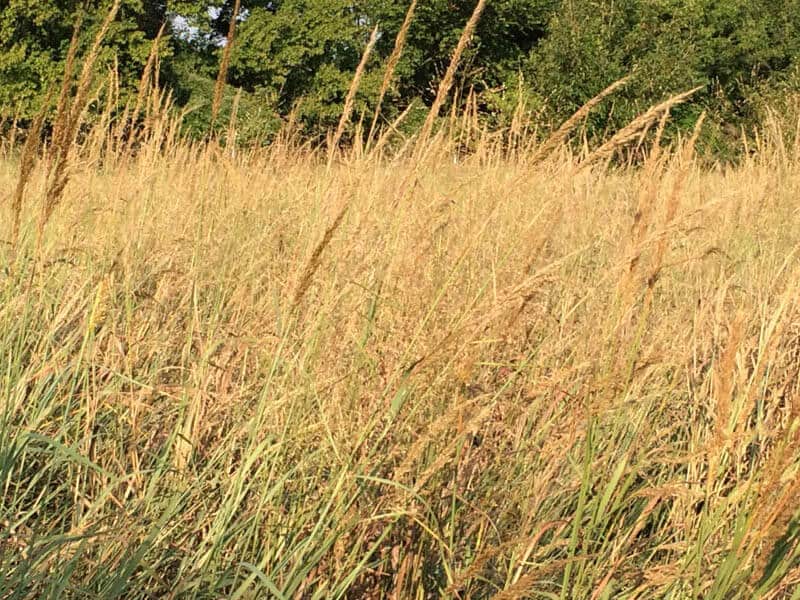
x=186, y=31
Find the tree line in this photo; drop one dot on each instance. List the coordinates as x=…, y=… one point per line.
x=298, y=57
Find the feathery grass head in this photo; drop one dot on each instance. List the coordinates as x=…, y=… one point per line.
x=447, y=81
x=222, y=74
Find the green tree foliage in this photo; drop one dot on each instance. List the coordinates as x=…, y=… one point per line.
x=300, y=55
x=729, y=46
x=303, y=49
x=35, y=35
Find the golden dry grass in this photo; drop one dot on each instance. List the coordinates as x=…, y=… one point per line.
x=265, y=377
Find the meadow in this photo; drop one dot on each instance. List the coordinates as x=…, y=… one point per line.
x=411, y=374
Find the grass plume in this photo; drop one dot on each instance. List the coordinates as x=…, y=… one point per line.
x=225, y=59
x=557, y=138
x=634, y=129
x=349, y=100
x=447, y=81
x=67, y=120
x=391, y=65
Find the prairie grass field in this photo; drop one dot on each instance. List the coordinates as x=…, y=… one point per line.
x=271, y=375
x=442, y=360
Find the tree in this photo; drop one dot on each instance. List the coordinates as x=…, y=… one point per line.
x=300, y=55
x=729, y=46
x=35, y=35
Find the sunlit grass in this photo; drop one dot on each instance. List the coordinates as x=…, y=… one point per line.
x=257, y=377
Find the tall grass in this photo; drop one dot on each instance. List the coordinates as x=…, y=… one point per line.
x=522, y=375
x=224, y=384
